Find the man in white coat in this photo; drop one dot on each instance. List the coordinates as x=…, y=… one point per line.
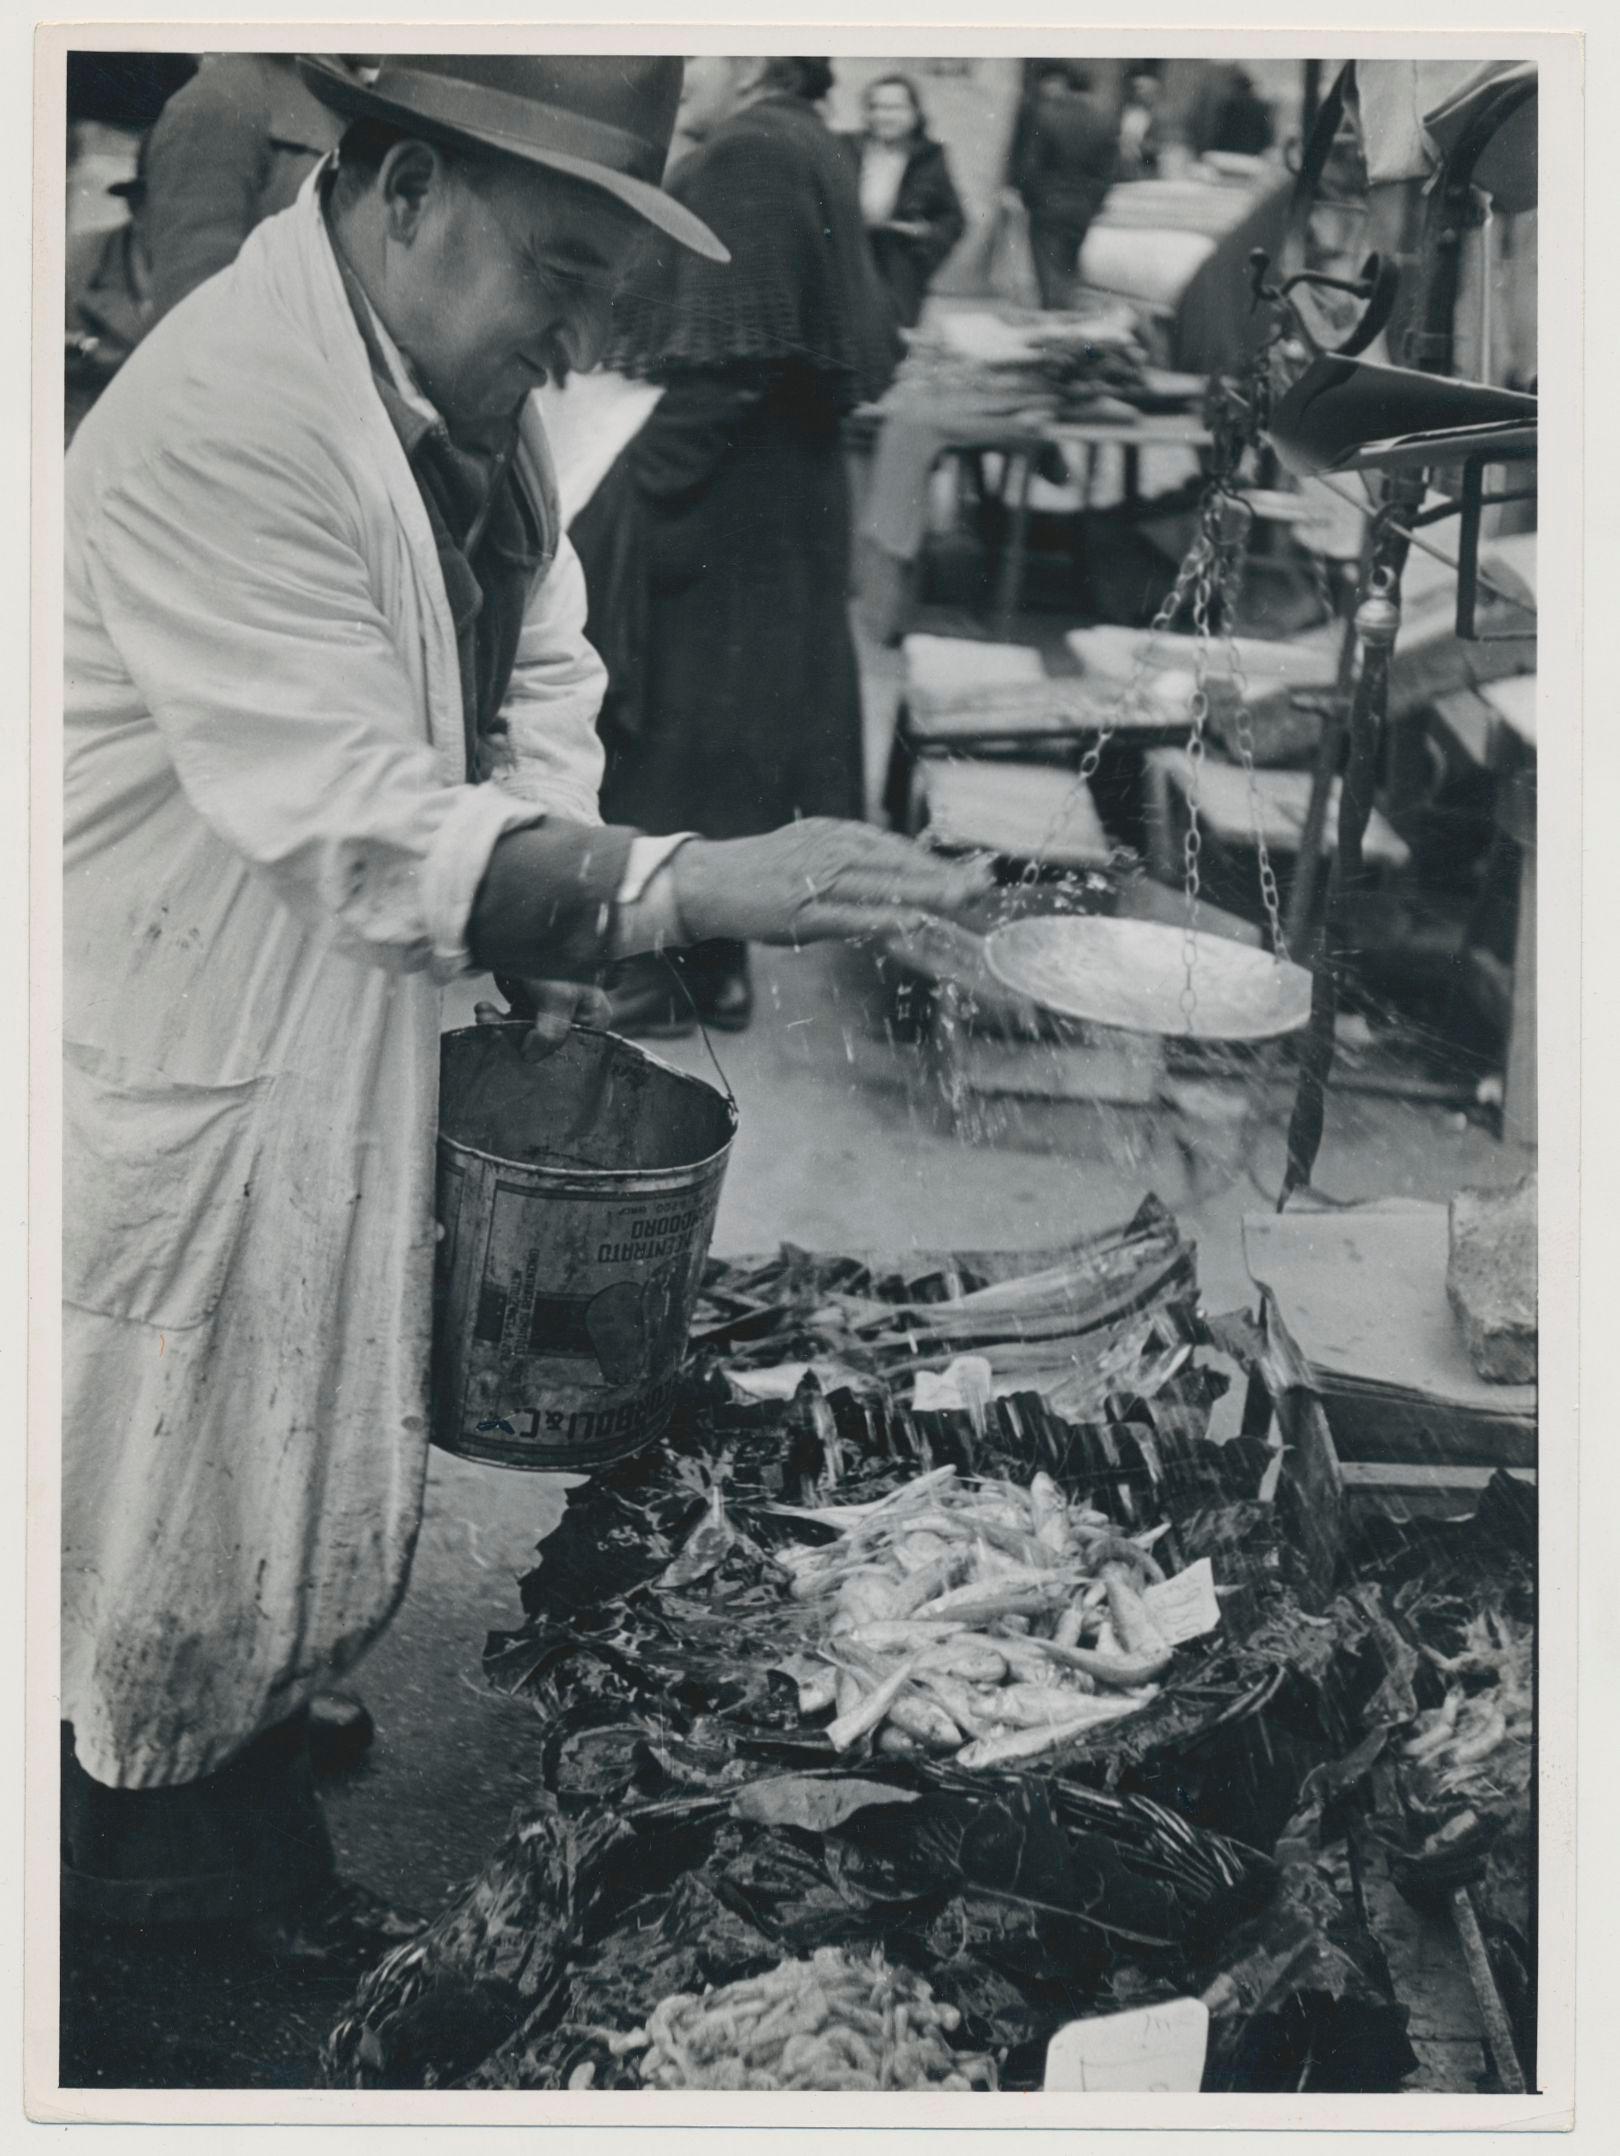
x=330, y=744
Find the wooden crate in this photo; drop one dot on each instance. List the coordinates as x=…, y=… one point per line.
x=1319, y=1487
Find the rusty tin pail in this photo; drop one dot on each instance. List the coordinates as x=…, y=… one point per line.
x=576, y=1199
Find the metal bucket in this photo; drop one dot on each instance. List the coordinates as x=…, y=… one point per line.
x=576, y=1200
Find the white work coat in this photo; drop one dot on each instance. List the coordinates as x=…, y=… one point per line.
x=271, y=853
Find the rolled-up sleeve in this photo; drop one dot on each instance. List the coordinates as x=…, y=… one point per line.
x=231, y=578
x=554, y=753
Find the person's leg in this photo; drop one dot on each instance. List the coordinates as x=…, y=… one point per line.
x=1055, y=249
x=1068, y=253
x=245, y=1846
x=248, y=1838
x=1040, y=254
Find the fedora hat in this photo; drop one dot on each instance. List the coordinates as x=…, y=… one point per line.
x=603, y=119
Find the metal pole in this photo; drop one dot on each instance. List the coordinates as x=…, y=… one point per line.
x=1377, y=623
x=1329, y=754
x=1498, y=2029
x=1431, y=347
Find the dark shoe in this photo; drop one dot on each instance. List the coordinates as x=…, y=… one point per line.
x=340, y=1732
x=220, y=1849
x=717, y=974
x=650, y=1012
x=728, y=1004
x=343, y=1928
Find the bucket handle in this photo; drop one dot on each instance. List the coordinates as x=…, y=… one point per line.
x=520, y=1004
x=680, y=981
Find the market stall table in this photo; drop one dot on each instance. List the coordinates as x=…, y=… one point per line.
x=1233, y=804
x=1179, y=250
x=985, y=388
x=1362, y=1374
x=963, y=697
x=1357, y=1307
x=715, y=1815
x=1134, y=439
x=1017, y=446
x=1495, y=727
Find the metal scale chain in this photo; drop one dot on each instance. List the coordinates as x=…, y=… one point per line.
x=1243, y=731
x=1238, y=421
x=1220, y=563
x=1192, y=842
x=1129, y=700
x=1211, y=577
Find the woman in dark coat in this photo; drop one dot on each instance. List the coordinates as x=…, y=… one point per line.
x=909, y=202
x=717, y=551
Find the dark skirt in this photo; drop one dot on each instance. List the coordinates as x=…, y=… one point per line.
x=747, y=710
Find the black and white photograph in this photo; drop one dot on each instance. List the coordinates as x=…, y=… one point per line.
x=801, y=1284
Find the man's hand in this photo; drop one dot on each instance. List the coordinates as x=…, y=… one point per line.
x=815, y=881
x=551, y=1007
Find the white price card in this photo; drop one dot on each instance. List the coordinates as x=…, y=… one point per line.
x=780, y=1382
x=1152, y=2050
x=966, y=1385
x=1186, y=1606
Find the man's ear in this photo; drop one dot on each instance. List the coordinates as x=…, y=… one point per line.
x=411, y=173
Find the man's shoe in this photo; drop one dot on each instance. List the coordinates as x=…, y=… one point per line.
x=654, y=1012
x=728, y=1005
x=340, y=1732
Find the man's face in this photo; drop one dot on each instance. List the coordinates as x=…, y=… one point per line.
x=496, y=284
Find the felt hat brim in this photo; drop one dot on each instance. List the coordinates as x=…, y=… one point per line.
x=512, y=126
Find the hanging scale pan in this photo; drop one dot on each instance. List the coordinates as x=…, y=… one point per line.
x=1133, y=975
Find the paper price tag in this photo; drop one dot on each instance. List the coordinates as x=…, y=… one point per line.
x=780, y=1382
x=966, y=1385
x=1186, y=1606
x=1152, y=2050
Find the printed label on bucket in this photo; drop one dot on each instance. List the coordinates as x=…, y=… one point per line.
x=571, y=1437
x=574, y=1320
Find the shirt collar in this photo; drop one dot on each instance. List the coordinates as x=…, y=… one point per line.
x=413, y=412
x=401, y=374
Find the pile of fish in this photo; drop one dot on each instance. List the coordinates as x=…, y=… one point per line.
x=836, y=2021
x=1476, y=1747
x=980, y=1619
x=1106, y=1315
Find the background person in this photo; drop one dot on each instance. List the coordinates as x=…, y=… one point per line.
x=230, y=148
x=1140, y=140
x=909, y=202
x=108, y=289
x=1242, y=125
x=810, y=81
x=1068, y=155
x=123, y=90
x=718, y=552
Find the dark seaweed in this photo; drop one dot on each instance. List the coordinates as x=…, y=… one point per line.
x=1138, y=1870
